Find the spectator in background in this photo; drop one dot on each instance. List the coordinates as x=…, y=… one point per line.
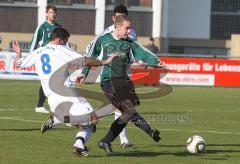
x=151, y=46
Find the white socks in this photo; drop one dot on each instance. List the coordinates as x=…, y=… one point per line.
x=85, y=134
x=56, y=121
x=123, y=134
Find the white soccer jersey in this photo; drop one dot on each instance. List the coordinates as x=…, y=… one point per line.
x=47, y=61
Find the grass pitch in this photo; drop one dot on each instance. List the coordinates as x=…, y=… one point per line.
x=180, y=113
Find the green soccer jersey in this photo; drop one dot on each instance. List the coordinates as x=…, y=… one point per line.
x=42, y=35
x=127, y=51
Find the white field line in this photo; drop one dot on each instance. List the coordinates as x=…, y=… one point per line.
x=20, y=119
x=173, y=130
x=223, y=122
x=2, y=110
x=201, y=131
x=226, y=122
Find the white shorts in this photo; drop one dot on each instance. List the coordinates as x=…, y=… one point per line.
x=70, y=109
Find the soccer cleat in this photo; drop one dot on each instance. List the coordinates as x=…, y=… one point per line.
x=81, y=152
x=41, y=110
x=127, y=146
x=156, y=135
x=105, y=146
x=48, y=123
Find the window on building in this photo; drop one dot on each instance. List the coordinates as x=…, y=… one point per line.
x=18, y=1
x=130, y=3
x=72, y=2
x=225, y=19
x=225, y=6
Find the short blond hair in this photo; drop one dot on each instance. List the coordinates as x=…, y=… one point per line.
x=120, y=19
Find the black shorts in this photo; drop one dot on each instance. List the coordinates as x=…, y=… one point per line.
x=119, y=90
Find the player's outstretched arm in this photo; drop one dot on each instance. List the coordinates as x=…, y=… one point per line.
x=160, y=65
x=163, y=66
x=17, y=49
x=95, y=63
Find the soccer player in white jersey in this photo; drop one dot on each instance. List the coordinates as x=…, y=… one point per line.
x=41, y=38
x=52, y=64
x=118, y=10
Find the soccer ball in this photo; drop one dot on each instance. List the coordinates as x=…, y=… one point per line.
x=196, y=144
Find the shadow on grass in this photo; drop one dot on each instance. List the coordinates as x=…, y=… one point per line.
x=205, y=155
x=208, y=145
x=136, y=153
x=130, y=154
x=220, y=151
x=223, y=145
x=21, y=130
x=225, y=154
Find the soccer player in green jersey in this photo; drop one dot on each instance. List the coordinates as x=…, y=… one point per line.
x=40, y=39
x=115, y=83
x=118, y=10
